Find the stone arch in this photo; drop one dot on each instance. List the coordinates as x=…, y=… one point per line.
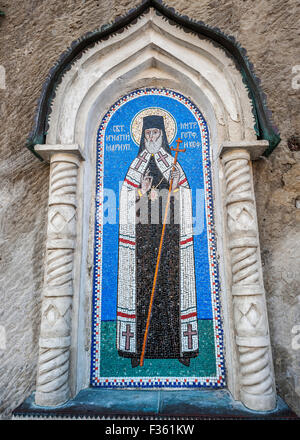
x=147, y=50
x=264, y=127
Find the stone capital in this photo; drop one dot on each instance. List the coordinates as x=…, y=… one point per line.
x=48, y=152
x=254, y=148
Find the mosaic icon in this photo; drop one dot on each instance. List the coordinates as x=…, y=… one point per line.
x=156, y=309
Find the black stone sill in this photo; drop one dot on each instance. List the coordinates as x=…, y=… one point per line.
x=92, y=403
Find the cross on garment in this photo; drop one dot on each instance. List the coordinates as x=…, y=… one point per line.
x=127, y=335
x=141, y=159
x=189, y=334
x=162, y=158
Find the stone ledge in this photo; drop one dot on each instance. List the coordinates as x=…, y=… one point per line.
x=92, y=403
x=255, y=149
x=45, y=151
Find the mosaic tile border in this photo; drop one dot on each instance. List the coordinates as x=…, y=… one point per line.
x=217, y=381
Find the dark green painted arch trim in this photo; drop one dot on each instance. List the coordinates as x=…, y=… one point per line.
x=263, y=119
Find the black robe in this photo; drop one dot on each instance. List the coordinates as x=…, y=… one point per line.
x=163, y=339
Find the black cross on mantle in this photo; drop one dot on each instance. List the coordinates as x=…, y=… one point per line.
x=141, y=159
x=162, y=158
x=189, y=334
x=128, y=335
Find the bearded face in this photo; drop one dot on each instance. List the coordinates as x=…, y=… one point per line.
x=153, y=140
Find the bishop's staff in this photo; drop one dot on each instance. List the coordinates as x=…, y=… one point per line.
x=177, y=150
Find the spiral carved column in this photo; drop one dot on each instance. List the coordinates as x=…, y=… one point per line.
x=256, y=378
x=52, y=386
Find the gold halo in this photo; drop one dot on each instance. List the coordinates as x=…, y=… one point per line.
x=137, y=123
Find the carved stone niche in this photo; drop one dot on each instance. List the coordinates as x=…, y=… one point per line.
x=145, y=49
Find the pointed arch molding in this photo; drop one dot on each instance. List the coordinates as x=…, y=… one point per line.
x=152, y=46
x=264, y=127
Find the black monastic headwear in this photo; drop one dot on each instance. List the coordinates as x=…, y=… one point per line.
x=154, y=121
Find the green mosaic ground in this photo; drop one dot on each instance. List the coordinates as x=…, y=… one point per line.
x=112, y=365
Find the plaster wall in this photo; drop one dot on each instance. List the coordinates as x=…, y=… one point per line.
x=33, y=34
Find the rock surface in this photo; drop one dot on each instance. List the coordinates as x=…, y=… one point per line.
x=33, y=35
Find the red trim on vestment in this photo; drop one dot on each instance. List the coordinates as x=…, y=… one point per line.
x=125, y=315
x=186, y=241
x=189, y=315
x=131, y=183
x=123, y=240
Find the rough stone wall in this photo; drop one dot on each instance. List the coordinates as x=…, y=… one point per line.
x=33, y=34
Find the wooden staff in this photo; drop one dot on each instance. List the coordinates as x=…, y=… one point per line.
x=177, y=150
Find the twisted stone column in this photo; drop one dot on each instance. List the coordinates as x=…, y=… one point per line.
x=52, y=386
x=256, y=378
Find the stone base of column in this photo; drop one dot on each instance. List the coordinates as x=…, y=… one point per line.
x=52, y=399
x=263, y=402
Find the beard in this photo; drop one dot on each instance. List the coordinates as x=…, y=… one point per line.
x=153, y=146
